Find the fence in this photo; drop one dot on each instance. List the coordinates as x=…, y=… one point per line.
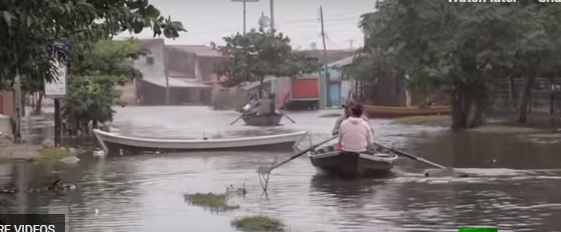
x=545, y=97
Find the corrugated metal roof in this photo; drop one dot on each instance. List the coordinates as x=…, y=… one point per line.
x=199, y=50
x=342, y=63
x=175, y=82
x=254, y=84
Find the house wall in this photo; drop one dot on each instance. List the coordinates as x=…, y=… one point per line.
x=182, y=61
x=150, y=94
x=128, y=93
x=346, y=90
x=156, y=49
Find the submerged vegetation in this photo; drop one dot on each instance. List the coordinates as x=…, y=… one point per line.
x=212, y=201
x=258, y=223
x=54, y=153
x=463, y=50
x=445, y=121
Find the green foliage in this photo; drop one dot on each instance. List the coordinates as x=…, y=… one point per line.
x=52, y=154
x=92, y=92
x=227, y=100
x=30, y=29
x=258, y=223
x=217, y=202
x=463, y=46
x=258, y=54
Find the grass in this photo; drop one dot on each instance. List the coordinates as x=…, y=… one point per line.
x=435, y=120
x=218, y=202
x=504, y=128
x=52, y=154
x=445, y=121
x=258, y=223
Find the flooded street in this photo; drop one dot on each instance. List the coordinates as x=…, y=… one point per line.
x=517, y=187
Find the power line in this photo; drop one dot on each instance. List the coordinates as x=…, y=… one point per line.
x=332, y=23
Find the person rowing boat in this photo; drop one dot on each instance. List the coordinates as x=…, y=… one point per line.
x=355, y=134
x=346, y=114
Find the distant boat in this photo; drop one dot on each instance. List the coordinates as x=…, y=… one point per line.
x=332, y=162
x=397, y=111
x=263, y=120
x=111, y=142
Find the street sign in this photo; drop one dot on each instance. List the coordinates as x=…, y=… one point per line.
x=57, y=88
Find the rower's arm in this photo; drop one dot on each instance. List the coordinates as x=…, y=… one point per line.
x=337, y=126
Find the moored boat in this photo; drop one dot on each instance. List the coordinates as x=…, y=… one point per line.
x=263, y=120
x=332, y=162
x=112, y=142
x=394, y=111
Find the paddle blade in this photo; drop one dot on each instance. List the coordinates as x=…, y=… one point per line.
x=446, y=172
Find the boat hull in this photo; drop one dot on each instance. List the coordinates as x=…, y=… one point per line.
x=262, y=120
x=334, y=163
x=114, y=143
x=395, y=112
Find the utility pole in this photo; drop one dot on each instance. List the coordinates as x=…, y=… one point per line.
x=244, y=11
x=244, y=24
x=272, y=5
x=18, y=106
x=351, y=43
x=327, y=99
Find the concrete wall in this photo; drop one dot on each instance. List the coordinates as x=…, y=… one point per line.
x=157, y=51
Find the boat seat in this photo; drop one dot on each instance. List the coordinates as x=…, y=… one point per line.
x=327, y=149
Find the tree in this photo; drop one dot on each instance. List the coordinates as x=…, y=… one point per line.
x=30, y=29
x=257, y=54
x=460, y=46
x=92, y=92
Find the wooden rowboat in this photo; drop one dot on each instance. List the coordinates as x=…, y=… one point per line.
x=262, y=120
x=112, y=142
x=393, y=111
x=331, y=162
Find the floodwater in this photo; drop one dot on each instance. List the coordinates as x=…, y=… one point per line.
x=517, y=187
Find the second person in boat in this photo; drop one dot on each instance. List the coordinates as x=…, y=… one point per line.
x=355, y=134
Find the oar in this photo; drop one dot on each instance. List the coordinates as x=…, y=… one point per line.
x=240, y=117
x=244, y=114
x=442, y=172
x=269, y=169
x=286, y=116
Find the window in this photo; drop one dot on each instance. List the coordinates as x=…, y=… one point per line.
x=150, y=60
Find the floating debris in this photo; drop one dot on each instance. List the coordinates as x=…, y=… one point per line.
x=214, y=202
x=258, y=223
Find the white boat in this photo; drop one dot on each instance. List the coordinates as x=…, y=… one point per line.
x=113, y=142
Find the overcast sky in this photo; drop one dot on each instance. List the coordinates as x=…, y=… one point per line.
x=210, y=20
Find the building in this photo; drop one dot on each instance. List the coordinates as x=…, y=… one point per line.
x=168, y=81
x=196, y=63
x=388, y=90
x=188, y=71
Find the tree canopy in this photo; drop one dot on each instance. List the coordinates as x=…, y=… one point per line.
x=463, y=46
x=257, y=54
x=31, y=28
x=92, y=92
